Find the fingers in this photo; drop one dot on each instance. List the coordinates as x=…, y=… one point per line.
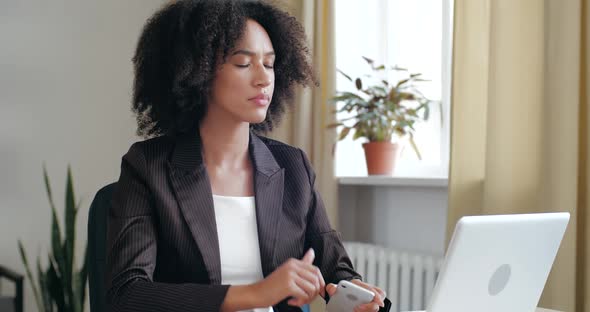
x=368, y=307
x=309, y=288
x=314, y=275
x=314, y=280
x=379, y=293
x=331, y=289
x=300, y=296
x=309, y=256
x=307, y=261
x=307, y=278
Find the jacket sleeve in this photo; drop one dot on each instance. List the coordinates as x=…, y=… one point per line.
x=331, y=257
x=132, y=248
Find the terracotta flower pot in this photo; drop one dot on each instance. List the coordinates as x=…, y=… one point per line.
x=381, y=157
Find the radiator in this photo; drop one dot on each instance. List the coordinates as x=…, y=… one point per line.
x=407, y=278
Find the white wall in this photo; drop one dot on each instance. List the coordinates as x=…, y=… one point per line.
x=65, y=90
x=408, y=218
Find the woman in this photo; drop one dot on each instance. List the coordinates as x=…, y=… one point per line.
x=207, y=215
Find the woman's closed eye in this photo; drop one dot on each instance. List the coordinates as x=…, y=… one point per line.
x=269, y=66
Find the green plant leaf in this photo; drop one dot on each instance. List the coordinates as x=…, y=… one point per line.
x=23, y=256
x=340, y=98
x=55, y=286
x=345, y=75
x=343, y=133
x=77, y=305
x=358, y=83
x=43, y=287
x=407, y=96
x=48, y=187
x=369, y=61
x=70, y=235
x=78, y=206
x=59, y=247
x=393, y=95
x=334, y=125
x=57, y=250
x=58, y=257
x=426, y=112
x=418, y=92
x=378, y=90
x=401, y=82
x=351, y=95
x=81, y=278
x=441, y=113
x=414, y=146
x=357, y=134
x=347, y=96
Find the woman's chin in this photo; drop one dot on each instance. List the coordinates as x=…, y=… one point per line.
x=251, y=116
x=256, y=119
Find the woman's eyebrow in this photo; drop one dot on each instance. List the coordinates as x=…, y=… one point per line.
x=250, y=53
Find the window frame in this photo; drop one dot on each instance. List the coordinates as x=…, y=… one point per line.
x=423, y=170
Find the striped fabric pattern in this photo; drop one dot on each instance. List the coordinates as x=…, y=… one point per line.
x=162, y=244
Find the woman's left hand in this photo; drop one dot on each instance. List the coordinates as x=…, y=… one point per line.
x=378, y=300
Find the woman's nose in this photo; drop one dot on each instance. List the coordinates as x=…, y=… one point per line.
x=263, y=77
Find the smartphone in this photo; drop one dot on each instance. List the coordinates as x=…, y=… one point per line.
x=348, y=296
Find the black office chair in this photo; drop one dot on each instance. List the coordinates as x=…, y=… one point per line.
x=97, y=228
x=97, y=236
x=12, y=303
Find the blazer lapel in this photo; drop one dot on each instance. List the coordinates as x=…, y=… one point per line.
x=193, y=192
x=268, y=187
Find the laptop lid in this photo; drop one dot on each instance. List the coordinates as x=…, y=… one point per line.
x=498, y=263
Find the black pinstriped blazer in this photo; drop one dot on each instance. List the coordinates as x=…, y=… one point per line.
x=162, y=245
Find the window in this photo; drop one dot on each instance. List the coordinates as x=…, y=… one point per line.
x=413, y=34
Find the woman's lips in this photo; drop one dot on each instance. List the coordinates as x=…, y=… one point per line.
x=260, y=101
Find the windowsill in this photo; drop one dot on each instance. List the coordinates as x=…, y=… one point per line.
x=394, y=181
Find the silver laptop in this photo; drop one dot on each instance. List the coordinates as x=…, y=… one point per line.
x=498, y=263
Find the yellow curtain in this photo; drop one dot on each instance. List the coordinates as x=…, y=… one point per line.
x=305, y=127
x=519, y=129
x=583, y=235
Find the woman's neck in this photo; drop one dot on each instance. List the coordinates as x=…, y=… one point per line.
x=225, y=144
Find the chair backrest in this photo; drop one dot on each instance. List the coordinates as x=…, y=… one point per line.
x=15, y=303
x=97, y=228
x=97, y=236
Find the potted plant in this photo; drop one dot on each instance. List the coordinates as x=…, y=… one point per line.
x=380, y=112
x=60, y=287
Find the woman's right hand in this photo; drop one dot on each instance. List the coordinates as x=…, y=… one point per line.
x=298, y=279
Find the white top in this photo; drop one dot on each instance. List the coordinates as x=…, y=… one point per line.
x=237, y=232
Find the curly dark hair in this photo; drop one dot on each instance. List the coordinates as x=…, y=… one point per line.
x=180, y=48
